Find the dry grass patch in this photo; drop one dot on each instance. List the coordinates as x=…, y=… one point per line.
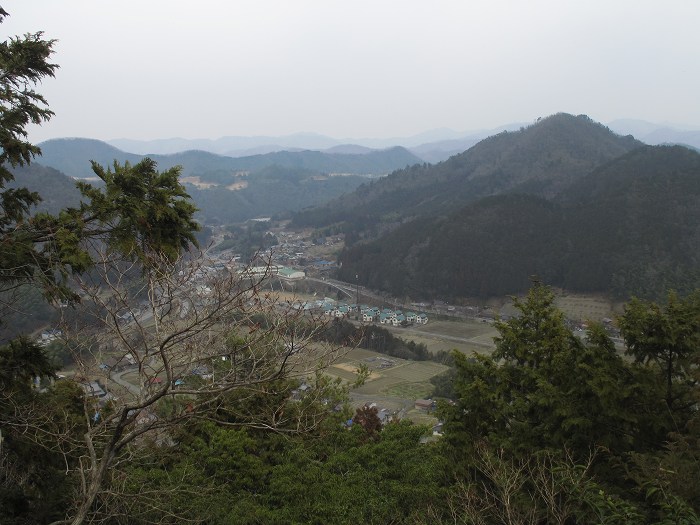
x=584, y=308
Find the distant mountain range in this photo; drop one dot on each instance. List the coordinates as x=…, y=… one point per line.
x=565, y=199
x=579, y=204
x=657, y=134
x=72, y=157
x=228, y=189
x=237, y=146
x=541, y=159
x=431, y=146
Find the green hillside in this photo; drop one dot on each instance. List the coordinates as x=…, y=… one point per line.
x=269, y=191
x=57, y=191
x=637, y=221
x=542, y=159
x=243, y=187
x=631, y=228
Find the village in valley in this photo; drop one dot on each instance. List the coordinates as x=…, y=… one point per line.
x=297, y=272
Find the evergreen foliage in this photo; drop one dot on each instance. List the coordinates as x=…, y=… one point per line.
x=628, y=228
x=546, y=394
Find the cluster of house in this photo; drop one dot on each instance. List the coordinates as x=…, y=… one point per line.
x=289, y=274
x=372, y=314
x=49, y=336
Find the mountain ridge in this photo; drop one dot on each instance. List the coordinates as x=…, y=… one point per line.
x=540, y=159
x=72, y=156
x=630, y=227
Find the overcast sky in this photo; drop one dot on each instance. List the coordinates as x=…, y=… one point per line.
x=147, y=69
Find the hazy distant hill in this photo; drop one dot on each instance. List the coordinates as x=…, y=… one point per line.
x=233, y=189
x=375, y=162
x=232, y=145
x=269, y=191
x=542, y=159
x=72, y=156
x=431, y=146
x=655, y=134
x=350, y=148
x=434, y=152
x=631, y=227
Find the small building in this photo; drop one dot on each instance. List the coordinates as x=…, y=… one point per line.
x=341, y=310
x=49, y=336
x=397, y=320
x=290, y=274
x=93, y=389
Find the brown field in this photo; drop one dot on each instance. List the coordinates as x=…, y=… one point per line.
x=466, y=336
x=586, y=308
x=395, y=383
x=351, y=371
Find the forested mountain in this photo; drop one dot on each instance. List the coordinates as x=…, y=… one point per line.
x=72, y=157
x=234, y=189
x=542, y=159
x=631, y=227
x=57, y=191
x=636, y=224
x=268, y=191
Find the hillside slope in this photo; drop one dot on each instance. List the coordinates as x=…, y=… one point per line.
x=230, y=189
x=631, y=227
x=542, y=159
x=72, y=157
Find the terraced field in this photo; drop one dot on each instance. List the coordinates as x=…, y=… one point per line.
x=394, y=383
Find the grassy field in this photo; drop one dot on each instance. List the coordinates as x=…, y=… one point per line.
x=467, y=336
x=586, y=308
x=394, y=383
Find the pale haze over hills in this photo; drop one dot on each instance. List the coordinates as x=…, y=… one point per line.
x=157, y=69
x=431, y=146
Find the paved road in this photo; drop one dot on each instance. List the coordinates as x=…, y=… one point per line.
x=117, y=378
x=349, y=289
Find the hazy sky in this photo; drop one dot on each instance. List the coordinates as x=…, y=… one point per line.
x=148, y=69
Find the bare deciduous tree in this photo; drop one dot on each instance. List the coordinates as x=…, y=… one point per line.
x=544, y=488
x=174, y=341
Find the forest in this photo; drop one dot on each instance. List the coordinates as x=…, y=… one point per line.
x=626, y=229
x=232, y=419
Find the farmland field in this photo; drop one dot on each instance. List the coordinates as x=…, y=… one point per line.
x=394, y=383
x=467, y=336
x=585, y=308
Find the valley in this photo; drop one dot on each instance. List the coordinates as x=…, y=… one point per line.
x=294, y=292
